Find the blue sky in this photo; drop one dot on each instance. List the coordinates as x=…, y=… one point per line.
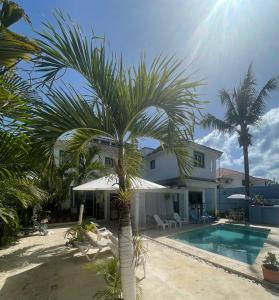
x=217, y=39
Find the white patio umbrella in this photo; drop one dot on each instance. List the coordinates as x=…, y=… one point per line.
x=239, y=196
x=110, y=183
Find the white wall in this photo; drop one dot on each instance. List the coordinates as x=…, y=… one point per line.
x=236, y=181
x=166, y=165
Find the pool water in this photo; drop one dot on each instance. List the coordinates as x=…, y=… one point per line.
x=241, y=243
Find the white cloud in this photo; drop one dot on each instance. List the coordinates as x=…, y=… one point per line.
x=263, y=154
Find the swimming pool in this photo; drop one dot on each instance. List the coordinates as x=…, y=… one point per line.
x=241, y=243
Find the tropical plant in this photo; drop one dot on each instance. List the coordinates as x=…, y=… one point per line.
x=244, y=108
x=125, y=104
x=110, y=270
x=85, y=165
x=13, y=47
x=18, y=188
x=139, y=249
x=271, y=262
x=77, y=232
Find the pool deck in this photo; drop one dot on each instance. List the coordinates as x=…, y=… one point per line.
x=253, y=272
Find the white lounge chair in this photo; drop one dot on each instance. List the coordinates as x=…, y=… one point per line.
x=103, y=232
x=160, y=223
x=93, y=241
x=179, y=220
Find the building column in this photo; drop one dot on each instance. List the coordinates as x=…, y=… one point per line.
x=136, y=212
x=105, y=205
x=186, y=205
x=216, y=209
x=203, y=200
x=144, y=202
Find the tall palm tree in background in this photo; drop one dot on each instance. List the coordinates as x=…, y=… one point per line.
x=122, y=104
x=245, y=107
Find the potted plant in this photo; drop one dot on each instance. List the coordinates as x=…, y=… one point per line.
x=270, y=268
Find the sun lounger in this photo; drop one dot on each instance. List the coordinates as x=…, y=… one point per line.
x=103, y=232
x=179, y=220
x=94, y=242
x=160, y=223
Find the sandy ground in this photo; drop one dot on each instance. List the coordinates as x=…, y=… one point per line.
x=41, y=268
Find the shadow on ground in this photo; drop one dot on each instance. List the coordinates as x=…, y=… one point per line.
x=49, y=274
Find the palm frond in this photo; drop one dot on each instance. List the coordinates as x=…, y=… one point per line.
x=14, y=155
x=65, y=46
x=257, y=107
x=211, y=121
x=11, y=13
x=17, y=97
x=15, y=47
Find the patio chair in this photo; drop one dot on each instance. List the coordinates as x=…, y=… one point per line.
x=93, y=242
x=160, y=223
x=194, y=217
x=179, y=220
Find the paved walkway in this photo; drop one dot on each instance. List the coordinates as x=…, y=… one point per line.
x=40, y=268
x=171, y=275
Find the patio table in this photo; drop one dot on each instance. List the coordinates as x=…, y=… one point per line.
x=171, y=222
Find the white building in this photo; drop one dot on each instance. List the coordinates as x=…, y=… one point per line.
x=196, y=191
x=228, y=178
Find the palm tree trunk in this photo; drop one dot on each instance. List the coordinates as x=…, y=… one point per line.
x=125, y=237
x=246, y=170
x=81, y=208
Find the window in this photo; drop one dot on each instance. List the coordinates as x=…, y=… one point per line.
x=198, y=159
x=109, y=162
x=152, y=164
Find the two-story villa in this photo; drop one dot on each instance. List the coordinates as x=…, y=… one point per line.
x=196, y=191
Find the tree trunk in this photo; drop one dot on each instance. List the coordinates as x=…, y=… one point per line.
x=246, y=170
x=81, y=209
x=125, y=237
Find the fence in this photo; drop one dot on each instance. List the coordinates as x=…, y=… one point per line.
x=270, y=193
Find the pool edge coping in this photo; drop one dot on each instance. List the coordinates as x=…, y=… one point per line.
x=255, y=279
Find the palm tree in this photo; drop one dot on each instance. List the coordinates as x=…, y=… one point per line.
x=244, y=108
x=13, y=47
x=17, y=181
x=124, y=105
x=18, y=188
x=75, y=168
